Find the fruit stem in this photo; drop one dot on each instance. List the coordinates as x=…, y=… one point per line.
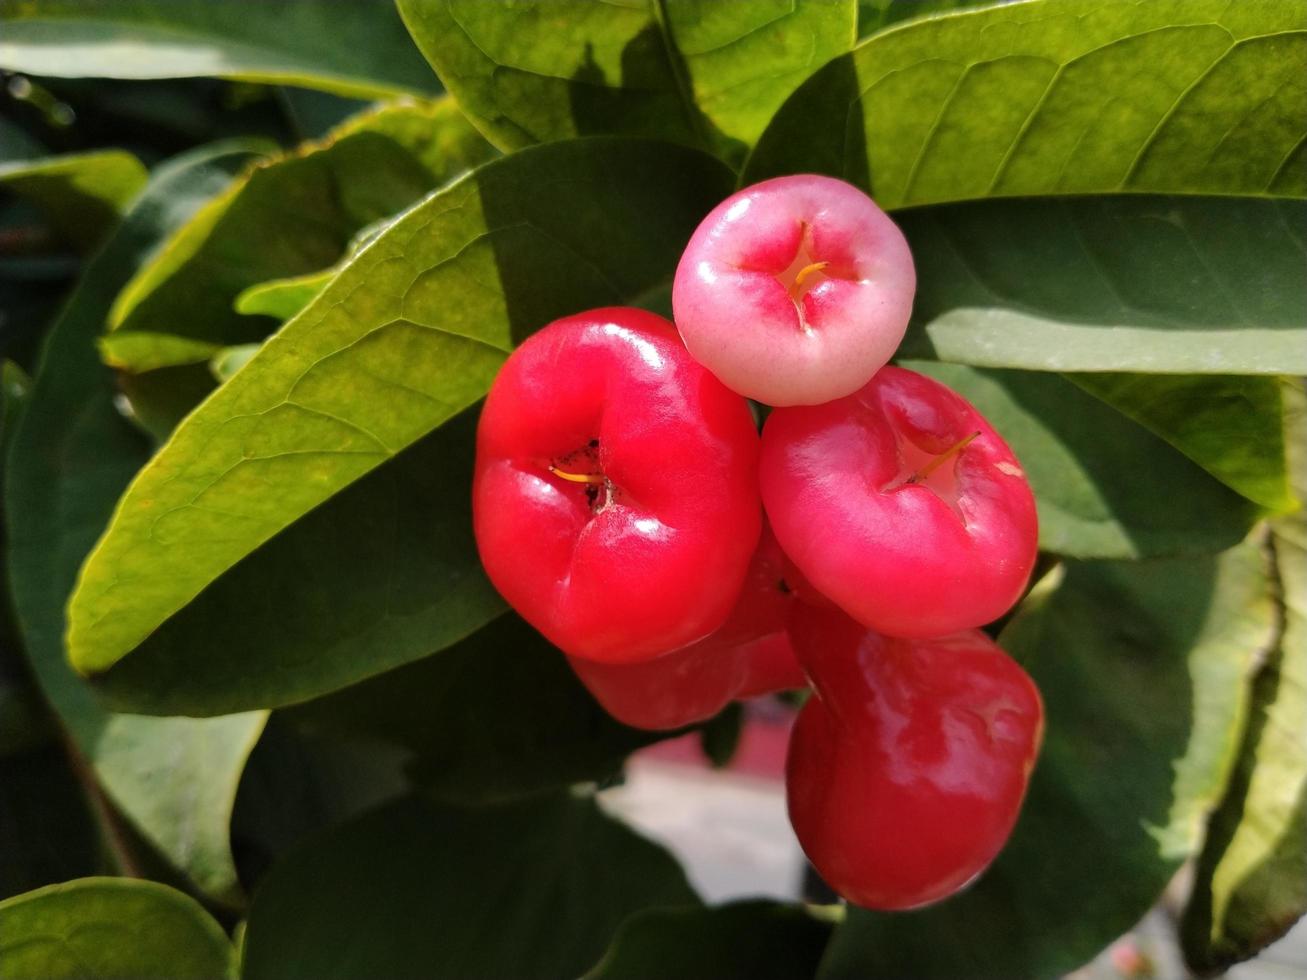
x=595, y=478
x=939, y=460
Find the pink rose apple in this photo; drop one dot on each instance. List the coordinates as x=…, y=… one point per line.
x=908, y=765
x=795, y=291
x=615, y=496
x=902, y=505
x=748, y=656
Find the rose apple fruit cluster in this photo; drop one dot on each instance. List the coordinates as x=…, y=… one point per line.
x=625, y=505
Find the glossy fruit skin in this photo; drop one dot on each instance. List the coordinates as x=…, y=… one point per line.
x=650, y=558
x=749, y=656
x=908, y=766
x=951, y=552
x=778, y=334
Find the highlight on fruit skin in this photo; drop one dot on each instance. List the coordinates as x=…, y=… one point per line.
x=615, y=492
x=902, y=505
x=795, y=291
x=908, y=766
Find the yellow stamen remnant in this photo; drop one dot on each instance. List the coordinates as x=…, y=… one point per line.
x=595, y=478
x=939, y=460
x=806, y=271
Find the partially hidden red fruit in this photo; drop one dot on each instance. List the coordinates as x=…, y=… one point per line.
x=750, y=655
x=615, y=498
x=908, y=766
x=902, y=505
x=795, y=290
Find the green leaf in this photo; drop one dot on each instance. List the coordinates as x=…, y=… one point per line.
x=1059, y=97
x=383, y=573
x=82, y=194
x=1251, y=880
x=754, y=939
x=692, y=71
x=111, y=928
x=292, y=215
x=358, y=48
x=1105, y=486
x=229, y=360
x=142, y=351
x=529, y=889
x=71, y=457
x=1143, y=667
x=1129, y=283
x=282, y=298
x=546, y=730
x=383, y=356
x=1233, y=427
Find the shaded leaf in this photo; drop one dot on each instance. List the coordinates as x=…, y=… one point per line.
x=111, y=928
x=1143, y=667
x=297, y=784
x=291, y=215
x=1251, y=880
x=529, y=889
x=692, y=71
x=1105, y=486
x=548, y=731
x=364, y=372
x=756, y=940
x=876, y=15
x=70, y=459
x=383, y=573
x=1059, y=97
x=82, y=194
x=47, y=831
x=1230, y=426
x=358, y=48
x=1130, y=283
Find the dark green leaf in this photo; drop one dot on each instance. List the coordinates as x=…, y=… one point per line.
x=404, y=338
x=1059, y=97
x=293, y=214
x=47, y=832
x=1230, y=426
x=70, y=459
x=692, y=71
x=753, y=940
x=496, y=716
x=297, y=784
x=1128, y=283
x=358, y=48
x=1106, y=487
x=381, y=574
x=1143, y=669
x=876, y=15
x=720, y=735
x=529, y=889
x=82, y=194
x=1251, y=881
x=111, y=929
